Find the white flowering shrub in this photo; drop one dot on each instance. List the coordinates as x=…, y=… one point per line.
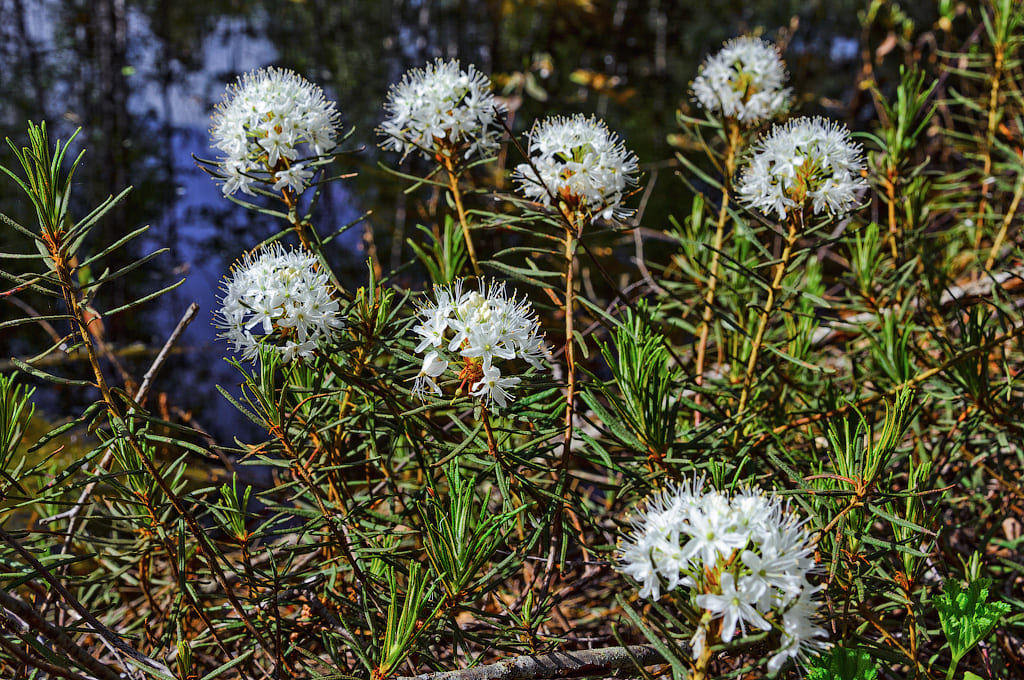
x=580, y=162
x=476, y=330
x=744, y=80
x=805, y=163
x=281, y=299
x=745, y=560
x=765, y=424
x=443, y=109
x=271, y=127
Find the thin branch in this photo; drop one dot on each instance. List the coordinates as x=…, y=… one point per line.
x=56, y=635
x=40, y=664
x=140, y=398
x=582, y=664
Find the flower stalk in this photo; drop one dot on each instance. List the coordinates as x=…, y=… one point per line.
x=733, y=140
x=573, y=222
x=453, y=186
x=795, y=224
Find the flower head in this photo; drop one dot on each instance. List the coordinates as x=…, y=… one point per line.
x=745, y=558
x=744, y=80
x=477, y=330
x=442, y=108
x=271, y=122
x=277, y=298
x=806, y=162
x=579, y=161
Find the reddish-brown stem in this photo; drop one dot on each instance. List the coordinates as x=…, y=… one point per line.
x=121, y=429
x=733, y=142
x=453, y=186
x=492, y=445
x=766, y=312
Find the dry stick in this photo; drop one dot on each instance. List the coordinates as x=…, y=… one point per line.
x=716, y=250
x=24, y=611
x=581, y=664
x=72, y=514
x=453, y=186
x=762, y=324
x=140, y=396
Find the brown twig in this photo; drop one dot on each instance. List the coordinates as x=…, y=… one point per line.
x=734, y=139
x=41, y=664
x=453, y=186
x=140, y=397
x=582, y=664
x=24, y=611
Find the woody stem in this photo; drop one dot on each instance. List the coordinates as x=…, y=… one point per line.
x=734, y=136
x=762, y=324
x=453, y=186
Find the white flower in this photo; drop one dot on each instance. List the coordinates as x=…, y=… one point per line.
x=280, y=299
x=744, y=80
x=493, y=388
x=711, y=528
x=442, y=109
x=735, y=605
x=653, y=551
x=433, y=366
x=295, y=177
x=800, y=632
x=478, y=329
x=579, y=161
x=806, y=162
x=269, y=119
x=745, y=558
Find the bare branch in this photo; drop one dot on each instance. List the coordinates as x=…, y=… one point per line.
x=580, y=664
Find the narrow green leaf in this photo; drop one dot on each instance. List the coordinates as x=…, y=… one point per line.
x=143, y=300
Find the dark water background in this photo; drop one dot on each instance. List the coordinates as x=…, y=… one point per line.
x=141, y=77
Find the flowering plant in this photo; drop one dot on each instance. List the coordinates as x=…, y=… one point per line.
x=745, y=559
x=744, y=80
x=580, y=162
x=488, y=326
x=278, y=298
x=806, y=162
x=271, y=125
x=382, y=520
x=443, y=109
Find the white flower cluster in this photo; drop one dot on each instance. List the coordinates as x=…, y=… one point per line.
x=486, y=325
x=579, y=161
x=745, y=559
x=278, y=298
x=271, y=124
x=805, y=160
x=442, y=108
x=744, y=80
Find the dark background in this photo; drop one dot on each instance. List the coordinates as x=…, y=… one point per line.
x=141, y=77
